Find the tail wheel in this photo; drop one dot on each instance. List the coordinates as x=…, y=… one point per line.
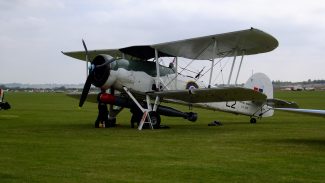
x=253, y=120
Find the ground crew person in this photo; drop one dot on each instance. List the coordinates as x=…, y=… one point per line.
x=102, y=118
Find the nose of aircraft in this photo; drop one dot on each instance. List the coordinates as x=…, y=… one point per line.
x=98, y=74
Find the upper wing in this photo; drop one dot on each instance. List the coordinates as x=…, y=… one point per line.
x=251, y=41
x=212, y=95
x=81, y=55
x=247, y=42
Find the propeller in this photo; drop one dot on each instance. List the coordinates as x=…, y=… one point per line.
x=99, y=72
x=86, y=50
x=85, y=91
x=88, y=82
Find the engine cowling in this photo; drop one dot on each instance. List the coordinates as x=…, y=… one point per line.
x=100, y=69
x=98, y=74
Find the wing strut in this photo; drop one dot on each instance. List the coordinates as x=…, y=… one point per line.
x=232, y=67
x=241, y=60
x=212, y=63
x=158, y=72
x=176, y=70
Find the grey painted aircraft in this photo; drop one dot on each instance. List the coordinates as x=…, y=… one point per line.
x=142, y=84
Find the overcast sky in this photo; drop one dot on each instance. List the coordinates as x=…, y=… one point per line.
x=33, y=33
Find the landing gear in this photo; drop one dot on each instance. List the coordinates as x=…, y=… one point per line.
x=155, y=119
x=154, y=116
x=253, y=120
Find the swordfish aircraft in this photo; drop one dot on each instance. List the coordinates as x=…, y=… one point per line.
x=136, y=80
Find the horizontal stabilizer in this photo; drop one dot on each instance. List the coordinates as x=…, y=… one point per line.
x=277, y=103
x=312, y=112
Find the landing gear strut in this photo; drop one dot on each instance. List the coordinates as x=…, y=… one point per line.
x=154, y=116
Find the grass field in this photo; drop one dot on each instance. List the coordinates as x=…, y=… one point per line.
x=46, y=138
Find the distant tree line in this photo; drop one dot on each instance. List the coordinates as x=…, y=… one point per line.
x=309, y=81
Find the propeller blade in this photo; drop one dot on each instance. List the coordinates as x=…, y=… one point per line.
x=86, y=50
x=85, y=91
x=83, y=42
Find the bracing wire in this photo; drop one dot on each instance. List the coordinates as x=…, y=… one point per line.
x=221, y=69
x=200, y=53
x=219, y=61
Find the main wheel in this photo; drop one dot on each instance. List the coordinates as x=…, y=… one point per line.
x=155, y=119
x=154, y=116
x=253, y=120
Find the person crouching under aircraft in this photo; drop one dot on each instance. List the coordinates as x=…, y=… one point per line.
x=102, y=118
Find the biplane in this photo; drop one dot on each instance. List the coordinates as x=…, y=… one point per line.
x=135, y=79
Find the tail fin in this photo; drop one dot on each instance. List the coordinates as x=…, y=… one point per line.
x=261, y=83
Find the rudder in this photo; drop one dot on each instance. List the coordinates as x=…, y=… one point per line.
x=261, y=83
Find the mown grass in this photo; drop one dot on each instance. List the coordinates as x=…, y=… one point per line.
x=46, y=138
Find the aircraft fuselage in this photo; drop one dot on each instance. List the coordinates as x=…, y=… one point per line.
x=140, y=76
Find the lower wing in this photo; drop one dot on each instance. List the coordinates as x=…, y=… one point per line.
x=207, y=95
x=313, y=112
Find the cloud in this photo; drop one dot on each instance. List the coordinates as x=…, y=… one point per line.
x=33, y=32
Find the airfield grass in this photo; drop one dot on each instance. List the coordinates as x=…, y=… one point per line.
x=46, y=138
